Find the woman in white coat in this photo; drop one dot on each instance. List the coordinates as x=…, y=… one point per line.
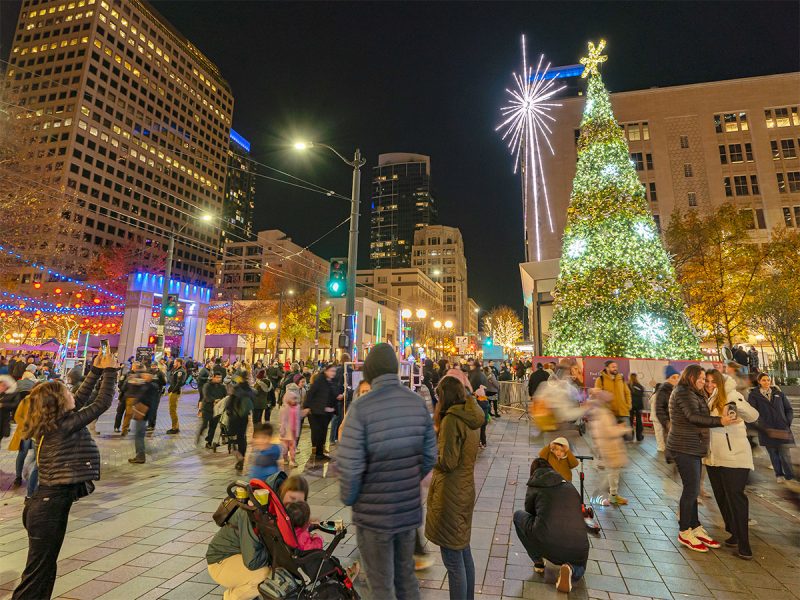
x=730, y=460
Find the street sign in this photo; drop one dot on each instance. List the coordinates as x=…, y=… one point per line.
x=144, y=354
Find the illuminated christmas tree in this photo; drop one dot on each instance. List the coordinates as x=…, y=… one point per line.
x=616, y=293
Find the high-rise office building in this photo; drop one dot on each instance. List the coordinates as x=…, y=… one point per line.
x=240, y=192
x=438, y=252
x=402, y=202
x=132, y=122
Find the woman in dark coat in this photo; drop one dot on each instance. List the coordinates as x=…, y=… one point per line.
x=261, y=406
x=451, y=498
x=239, y=408
x=321, y=403
x=69, y=461
x=637, y=404
x=688, y=441
x=775, y=421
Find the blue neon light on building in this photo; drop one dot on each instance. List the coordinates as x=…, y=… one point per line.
x=565, y=72
x=235, y=137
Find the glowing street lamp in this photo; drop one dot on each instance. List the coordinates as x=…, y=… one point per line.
x=421, y=313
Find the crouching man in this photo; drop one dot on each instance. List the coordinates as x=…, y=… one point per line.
x=551, y=526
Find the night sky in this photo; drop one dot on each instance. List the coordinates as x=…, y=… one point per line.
x=430, y=78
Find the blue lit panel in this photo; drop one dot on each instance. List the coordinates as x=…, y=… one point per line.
x=243, y=142
x=565, y=72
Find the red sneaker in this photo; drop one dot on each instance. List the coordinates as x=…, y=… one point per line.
x=688, y=539
x=703, y=536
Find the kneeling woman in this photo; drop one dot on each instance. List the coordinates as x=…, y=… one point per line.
x=237, y=558
x=68, y=463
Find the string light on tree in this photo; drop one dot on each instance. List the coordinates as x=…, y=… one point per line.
x=620, y=299
x=526, y=121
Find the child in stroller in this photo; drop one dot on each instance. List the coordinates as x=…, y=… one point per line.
x=295, y=574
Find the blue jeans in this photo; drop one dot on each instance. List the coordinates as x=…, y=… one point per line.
x=690, y=470
x=24, y=446
x=781, y=462
x=388, y=560
x=460, y=573
x=335, y=422
x=139, y=429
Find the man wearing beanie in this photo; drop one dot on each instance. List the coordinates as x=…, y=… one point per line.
x=672, y=376
x=388, y=446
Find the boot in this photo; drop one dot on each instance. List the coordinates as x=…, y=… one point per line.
x=137, y=460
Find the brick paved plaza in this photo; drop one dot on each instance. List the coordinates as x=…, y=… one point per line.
x=143, y=533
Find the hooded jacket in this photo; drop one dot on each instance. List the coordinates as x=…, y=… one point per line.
x=689, y=422
x=387, y=446
x=774, y=413
x=662, y=403
x=729, y=446
x=556, y=522
x=451, y=498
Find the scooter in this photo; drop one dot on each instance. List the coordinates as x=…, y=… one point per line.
x=589, y=516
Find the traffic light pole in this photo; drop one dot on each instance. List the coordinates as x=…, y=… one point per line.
x=352, y=253
x=162, y=317
x=280, y=324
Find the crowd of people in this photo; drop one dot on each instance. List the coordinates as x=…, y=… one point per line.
x=406, y=453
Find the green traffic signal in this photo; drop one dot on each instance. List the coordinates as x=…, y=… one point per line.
x=337, y=278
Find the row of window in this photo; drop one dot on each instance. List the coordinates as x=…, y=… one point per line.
x=791, y=216
x=783, y=149
x=639, y=161
x=782, y=117
x=730, y=122
x=741, y=185
x=788, y=182
x=734, y=153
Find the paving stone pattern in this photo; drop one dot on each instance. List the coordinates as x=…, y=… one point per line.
x=143, y=533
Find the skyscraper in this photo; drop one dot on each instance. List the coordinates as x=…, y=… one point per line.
x=402, y=202
x=132, y=123
x=240, y=191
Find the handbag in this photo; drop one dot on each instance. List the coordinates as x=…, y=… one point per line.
x=139, y=410
x=225, y=510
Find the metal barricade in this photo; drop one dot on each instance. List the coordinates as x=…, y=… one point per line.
x=513, y=398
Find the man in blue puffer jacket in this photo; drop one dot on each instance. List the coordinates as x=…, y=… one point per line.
x=388, y=445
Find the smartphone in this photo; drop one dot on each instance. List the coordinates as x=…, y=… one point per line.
x=731, y=411
x=104, y=346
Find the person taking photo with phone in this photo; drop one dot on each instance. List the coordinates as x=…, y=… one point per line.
x=730, y=459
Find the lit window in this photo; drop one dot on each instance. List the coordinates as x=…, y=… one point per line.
x=768, y=118
x=782, y=117
x=645, y=131
x=634, y=135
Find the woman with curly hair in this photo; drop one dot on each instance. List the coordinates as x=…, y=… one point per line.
x=68, y=463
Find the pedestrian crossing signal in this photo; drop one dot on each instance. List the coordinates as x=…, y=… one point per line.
x=337, y=278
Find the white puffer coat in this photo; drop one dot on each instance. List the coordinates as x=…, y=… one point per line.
x=729, y=446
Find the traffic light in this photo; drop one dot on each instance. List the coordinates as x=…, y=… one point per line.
x=171, y=306
x=337, y=278
x=487, y=342
x=152, y=340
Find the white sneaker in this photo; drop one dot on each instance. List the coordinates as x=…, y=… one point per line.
x=704, y=537
x=688, y=539
x=780, y=479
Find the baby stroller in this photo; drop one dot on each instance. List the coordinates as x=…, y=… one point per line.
x=222, y=437
x=296, y=574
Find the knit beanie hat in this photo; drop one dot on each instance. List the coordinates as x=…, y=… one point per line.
x=562, y=441
x=669, y=371
x=380, y=361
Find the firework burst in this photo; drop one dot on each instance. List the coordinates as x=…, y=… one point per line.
x=526, y=121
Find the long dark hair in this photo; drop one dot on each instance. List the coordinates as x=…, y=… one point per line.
x=450, y=391
x=690, y=375
x=633, y=380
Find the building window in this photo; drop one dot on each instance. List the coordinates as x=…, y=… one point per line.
x=687, y=170
x=692, y=197
x=723, y=155
x=740, y=185
x=748, y=151
x=787, y=217
x=776, y=153
x=728, y=190
x=788, y=149
x=735, y=152
x=730, y=122
x=781, y=182
x=748, y=214
x=754, y=184
x=762, y=223
x=649, y=161
x=634, y=135
x=684, y=141
x=653, y=195
x=638, y=161
x=645, y=131
x=794, y=181
x=782, y=117
x=657, y=219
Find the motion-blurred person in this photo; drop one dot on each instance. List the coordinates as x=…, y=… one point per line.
x=612, y=381
x=608, y=436
x=671, y=376
x=637, y=404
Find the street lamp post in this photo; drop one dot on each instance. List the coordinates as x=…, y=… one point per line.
x=352, y=250
x=162, y=317
x=263, y=327
x=280, y=322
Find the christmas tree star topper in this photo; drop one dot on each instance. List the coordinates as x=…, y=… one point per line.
x=594, y=59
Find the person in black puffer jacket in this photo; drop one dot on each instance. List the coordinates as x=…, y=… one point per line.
x=68, y=463
x=551, y=526
x=688, y=444
x=321, y=402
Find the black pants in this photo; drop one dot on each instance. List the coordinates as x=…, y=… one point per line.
x=238, y=427
x=120, y=412
x=45, y=517
x=210, y=422
x=636, y=423
x=728, y=487
x=319, y=429
x=261, y=413
x=690, y=470
x=153, y=412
